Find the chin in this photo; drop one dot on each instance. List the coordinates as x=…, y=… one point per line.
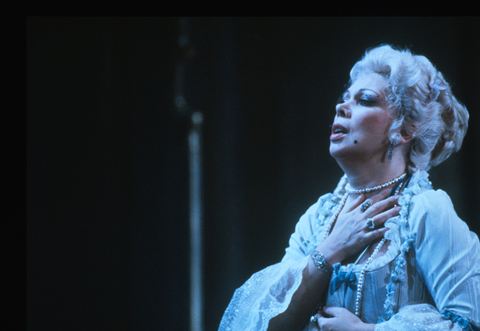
x=336, y=154
x=336, y=149
x=340, y=151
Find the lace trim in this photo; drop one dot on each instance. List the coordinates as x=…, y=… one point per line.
x=267, y=302
x=418, y=183
x=400, y=236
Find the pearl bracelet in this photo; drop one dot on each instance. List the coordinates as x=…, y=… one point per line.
x=321, y=262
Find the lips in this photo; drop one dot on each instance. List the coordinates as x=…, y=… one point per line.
x=338, y=131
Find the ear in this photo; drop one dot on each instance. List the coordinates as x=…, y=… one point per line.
x=400, y=137
x=406, y=138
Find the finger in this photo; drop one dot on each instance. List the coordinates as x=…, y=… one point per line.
x=330, y=311
x=381, y=206
x=328, y=316
x=378, y=221
x=324, y=323
x=384, y=216
x=375, y=234
x=380, y=196
x=357, y=202
x=367, y=203
x=323, y=312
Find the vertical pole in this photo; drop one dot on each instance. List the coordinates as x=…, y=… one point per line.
x=195, y=180
x=196, y=215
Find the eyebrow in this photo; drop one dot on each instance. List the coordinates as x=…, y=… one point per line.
x=377, y=95
x=367, y=89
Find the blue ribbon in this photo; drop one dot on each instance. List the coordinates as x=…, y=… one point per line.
x=341, y=277
x=466, y=326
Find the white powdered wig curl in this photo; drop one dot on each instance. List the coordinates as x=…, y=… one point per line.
x=423, y=102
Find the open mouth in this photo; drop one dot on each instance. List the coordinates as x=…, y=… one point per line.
x=338, y=131
x=337, y=128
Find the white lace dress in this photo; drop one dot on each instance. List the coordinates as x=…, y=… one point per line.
x=428, y=279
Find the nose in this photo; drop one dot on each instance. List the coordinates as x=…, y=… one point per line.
x=342, y=110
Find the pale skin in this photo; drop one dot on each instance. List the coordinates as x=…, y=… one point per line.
x=359, y=143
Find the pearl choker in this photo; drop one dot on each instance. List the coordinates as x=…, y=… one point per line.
x=375, y=188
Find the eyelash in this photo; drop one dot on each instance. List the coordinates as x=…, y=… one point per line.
x=366, y=102
x=362, y=101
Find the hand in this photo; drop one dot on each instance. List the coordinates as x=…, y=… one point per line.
x=341, y=319
x=350, y=234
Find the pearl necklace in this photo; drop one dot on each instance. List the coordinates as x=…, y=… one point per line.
x=358, y=301
x=334, y=218
x=375, y=188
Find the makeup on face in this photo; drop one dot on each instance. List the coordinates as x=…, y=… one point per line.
x=362, y=115
x=364, y=96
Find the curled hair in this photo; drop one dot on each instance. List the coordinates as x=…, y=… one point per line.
x=424, y=105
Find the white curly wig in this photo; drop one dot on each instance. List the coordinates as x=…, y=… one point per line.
x=423, y=103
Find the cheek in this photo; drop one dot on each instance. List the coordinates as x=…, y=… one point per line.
x=375, y=125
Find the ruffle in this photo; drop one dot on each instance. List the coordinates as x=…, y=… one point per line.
x=417, y=317
x=325, y=211
x=285, y=278
x=463, y=322
x=399, y=234
x=254, y=304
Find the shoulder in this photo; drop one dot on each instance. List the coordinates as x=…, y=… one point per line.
x=431, y=210
x=432, y=205
x=432, y=201
x=432, y=217
x=422, y=200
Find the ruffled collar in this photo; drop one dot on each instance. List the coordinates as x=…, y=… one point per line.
x=398, y=234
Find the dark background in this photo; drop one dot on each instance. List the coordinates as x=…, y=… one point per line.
x=107, y=163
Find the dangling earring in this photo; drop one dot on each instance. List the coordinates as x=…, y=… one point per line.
x=390, y=149
x=394, y=140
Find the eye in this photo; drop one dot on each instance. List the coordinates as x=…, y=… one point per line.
x=367, y=101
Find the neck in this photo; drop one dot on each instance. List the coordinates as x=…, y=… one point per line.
x=370, y=175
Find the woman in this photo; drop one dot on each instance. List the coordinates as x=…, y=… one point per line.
x=384, y=251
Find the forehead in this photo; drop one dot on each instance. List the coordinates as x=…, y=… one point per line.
x=372, y=82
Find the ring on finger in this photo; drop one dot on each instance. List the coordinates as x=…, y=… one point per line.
x=314, y=318
x=370, y=223
x=366, y=205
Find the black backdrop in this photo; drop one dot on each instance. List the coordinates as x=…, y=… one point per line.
x=107, y=164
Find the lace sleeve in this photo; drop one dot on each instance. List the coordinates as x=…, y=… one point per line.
x=420, y=317
x=269, y=292
x=265, y=295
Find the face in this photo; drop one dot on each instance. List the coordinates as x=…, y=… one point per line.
x=362, y=121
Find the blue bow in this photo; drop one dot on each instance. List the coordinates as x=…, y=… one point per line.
x=448, y=314
x=341, y=277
